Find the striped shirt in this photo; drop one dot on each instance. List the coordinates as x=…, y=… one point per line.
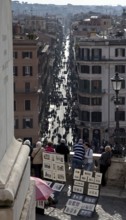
x=79, y=151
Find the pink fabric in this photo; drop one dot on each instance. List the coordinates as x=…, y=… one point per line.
x=43, y=191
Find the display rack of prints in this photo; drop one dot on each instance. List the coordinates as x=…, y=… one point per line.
x=85, y=193
x=54, y=167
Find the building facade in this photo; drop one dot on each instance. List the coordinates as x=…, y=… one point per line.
x=96, y=63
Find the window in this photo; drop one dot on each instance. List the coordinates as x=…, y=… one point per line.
x=123, y=84
x=85, y=116
x=84, y=100
x=27, y=105
x=96, y=101
x=96, y=116
x=96, y=54
x=96, y=69
x=96, y=86
x=15, y=70
x=14, y=105
x=16, y=123
x=27, y=87
x=27, y=54
x=84, y=86
x=121, y=115
x=84, y=53
x=27, y=70
x=85, y=69
x=120, y=68
x=122, y=100
x=15, y=55
x=14, y=87
x=28, y=123
x=120, y=52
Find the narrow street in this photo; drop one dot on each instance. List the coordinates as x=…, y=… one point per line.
x=60, y=119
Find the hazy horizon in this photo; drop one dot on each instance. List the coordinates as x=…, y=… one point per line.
x=77, y=2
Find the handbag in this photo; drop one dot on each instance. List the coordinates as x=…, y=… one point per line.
x=32, y=158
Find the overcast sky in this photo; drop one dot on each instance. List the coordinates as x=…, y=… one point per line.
x=78, y=2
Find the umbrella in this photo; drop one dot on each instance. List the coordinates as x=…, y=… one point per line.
x=43, y=191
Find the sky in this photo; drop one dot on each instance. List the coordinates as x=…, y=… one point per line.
x=78, y=2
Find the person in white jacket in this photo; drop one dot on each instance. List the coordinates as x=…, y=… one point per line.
x=88, y=159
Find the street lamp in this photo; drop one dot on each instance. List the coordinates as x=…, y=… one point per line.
x=116, y=84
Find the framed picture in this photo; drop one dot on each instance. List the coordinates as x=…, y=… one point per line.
x=46, y=156
x=78, y=189
x=76, y=196
x=88, y=206
x=77, y=173
x=98, y=175
x=98, y=180
x=54, y=175
x=83, y=178
x=87, y=173
x=93, y=186
x=53, y=157
x=71, y=210
x=61, y=176
x=90, y=199
x=85, y=213
x=93, y=192
x=58, y=187
x=59, y=158
x=91, y=179
x=49, y=183
x=47, y=174
x=47, y=165
x=75, y=203
x=78, y=183
x=40, y=204
x=60, y=167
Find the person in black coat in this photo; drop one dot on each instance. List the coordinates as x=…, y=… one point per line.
x=63, y=149
x=105, y=162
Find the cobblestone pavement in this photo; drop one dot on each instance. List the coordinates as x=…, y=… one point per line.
x=107, y=208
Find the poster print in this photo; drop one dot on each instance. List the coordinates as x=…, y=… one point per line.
x=85, y=213
x=47, y=165
x=58, y=187
x=93, y=186
x=78, y=183
x=40, y=204
x=46, y=156
x=59, y=158
x=47, y=174
x=97, y=180
x=71, y=210
x=87, y=173
x=53, y=157
x=98, y=175
x=74, y=203
x=78, y=189
x=77, y=173
x=93, y=192
x=49, y=183
x=90, y=199
x=91, y=179
x=88, y=206
x=83, y=178
x=60, y=167
x=61, y=176
x=76, y=196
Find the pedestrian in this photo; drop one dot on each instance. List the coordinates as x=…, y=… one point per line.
x=78, y=157
x=37, y=160
x=105, y=162
x=88, y=158
x=49, y=147
x=63, y=149
x=28, y=143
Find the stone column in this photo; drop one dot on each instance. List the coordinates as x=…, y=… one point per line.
x=17, y=195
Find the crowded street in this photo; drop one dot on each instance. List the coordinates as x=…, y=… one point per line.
x=60, y=122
